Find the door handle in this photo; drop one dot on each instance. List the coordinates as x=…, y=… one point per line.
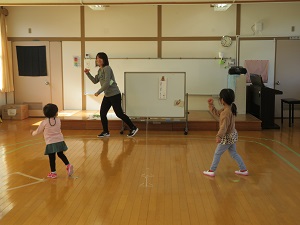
x=47, y=82
x=277, y=83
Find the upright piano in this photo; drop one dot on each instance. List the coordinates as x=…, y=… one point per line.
x=260, y=102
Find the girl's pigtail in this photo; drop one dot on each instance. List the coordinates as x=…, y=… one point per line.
x=233, y=109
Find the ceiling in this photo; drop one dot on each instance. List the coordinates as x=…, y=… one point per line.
x=128, y=2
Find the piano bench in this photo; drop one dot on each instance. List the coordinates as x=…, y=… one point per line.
x=291, y=102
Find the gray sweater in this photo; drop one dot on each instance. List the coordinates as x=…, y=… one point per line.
x=107, y=81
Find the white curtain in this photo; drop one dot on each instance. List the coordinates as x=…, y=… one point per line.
x=6, y=76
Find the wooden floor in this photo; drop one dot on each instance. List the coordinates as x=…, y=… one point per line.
x=154, y=178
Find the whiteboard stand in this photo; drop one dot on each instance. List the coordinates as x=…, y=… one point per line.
x=143, y=98
x=186, y=130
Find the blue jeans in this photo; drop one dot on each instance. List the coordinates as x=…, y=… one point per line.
x=233, y=153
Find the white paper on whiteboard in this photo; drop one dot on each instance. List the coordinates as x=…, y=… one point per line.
x=162, y=88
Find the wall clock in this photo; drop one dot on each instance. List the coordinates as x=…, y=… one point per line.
x=226, y=41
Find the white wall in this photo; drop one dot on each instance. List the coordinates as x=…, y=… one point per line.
x=50, y=21
x=196, y=49
x=117, y=23
x=121, y=49
x=121, y=21
x=277, y=19
x=72, y=89
x=197, y=20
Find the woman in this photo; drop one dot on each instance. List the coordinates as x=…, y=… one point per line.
x=112, y=95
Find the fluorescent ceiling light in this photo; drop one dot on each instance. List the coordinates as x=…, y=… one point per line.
x=97, y=7
x=221, y=7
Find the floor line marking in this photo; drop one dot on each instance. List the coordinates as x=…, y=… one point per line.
x=16, y=149
x=25, y=175
x=38, y=180
x=25, y=185
x=278, y=142
x=280, y=156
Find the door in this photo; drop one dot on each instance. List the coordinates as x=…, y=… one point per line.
x=287, y=77
x=32, y=90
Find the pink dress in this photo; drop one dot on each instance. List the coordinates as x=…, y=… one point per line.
x=51, y=127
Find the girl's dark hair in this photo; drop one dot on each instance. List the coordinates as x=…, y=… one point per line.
x=228, y=97
x=104, y=57
x=50, y=110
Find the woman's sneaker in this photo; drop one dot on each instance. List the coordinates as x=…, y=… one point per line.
x=70, y=169
x=52, y=175
x=209, y=173
x=103, y=134
x=244, y=173
x=133, y=132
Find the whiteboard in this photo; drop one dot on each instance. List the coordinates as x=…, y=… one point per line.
x=154, y=95
x=203, y=76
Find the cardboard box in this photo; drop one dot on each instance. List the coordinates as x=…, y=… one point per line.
x=15, y=112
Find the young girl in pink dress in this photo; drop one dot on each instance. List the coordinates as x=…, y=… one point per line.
x=54, y=139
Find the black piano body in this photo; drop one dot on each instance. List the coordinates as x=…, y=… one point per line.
x=261, y=103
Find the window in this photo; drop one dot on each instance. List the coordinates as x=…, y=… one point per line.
x=32, y=60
